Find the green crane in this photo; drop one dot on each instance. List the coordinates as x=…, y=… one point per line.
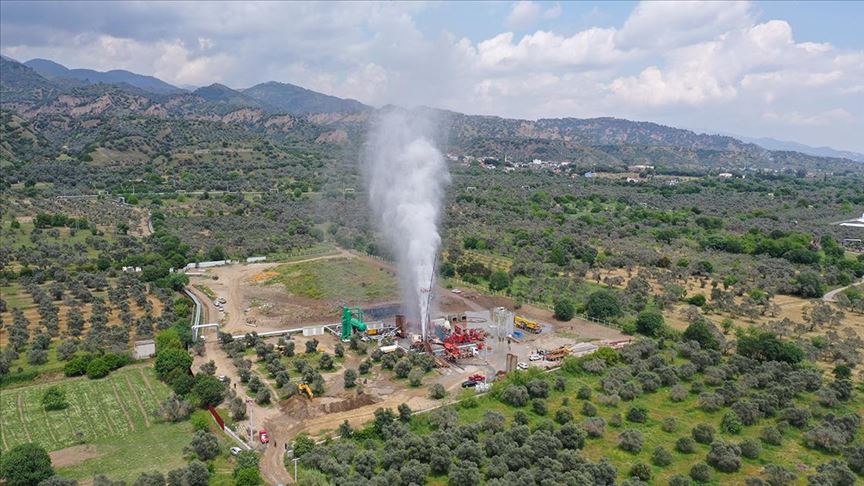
x=352, y=317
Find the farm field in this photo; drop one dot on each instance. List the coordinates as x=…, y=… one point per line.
x=352, y=280
x=115, y=407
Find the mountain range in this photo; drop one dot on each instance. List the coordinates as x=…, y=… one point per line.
x=59, y=102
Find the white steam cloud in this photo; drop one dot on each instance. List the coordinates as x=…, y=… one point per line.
x=406, y=176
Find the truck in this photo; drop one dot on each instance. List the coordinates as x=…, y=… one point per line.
x=527, y=325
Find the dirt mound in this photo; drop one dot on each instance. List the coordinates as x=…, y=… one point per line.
x=348, y=404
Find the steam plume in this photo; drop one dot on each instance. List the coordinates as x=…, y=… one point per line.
x=406, y=176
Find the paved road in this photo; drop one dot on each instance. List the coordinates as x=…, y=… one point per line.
x=830, y=296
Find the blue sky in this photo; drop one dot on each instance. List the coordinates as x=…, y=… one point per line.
x=788, y=70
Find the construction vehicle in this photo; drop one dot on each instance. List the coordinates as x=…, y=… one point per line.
x=352, y=318
x=303, y=387
x=558, y=354
x=527, y=325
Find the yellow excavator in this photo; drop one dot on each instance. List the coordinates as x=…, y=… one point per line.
x=527, y=325
x=303, y=387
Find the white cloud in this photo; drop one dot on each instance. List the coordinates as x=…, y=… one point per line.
x=526, y=14
x=659, y=24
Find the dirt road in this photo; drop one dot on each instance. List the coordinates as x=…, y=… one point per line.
x=830, y=296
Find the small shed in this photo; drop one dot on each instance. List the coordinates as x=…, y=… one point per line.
x=145, y=349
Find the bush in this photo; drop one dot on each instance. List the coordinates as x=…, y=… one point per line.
x=350, y=377
x=679, y=480
x=538, y=405
x=669, y=424
x=584, y=393
x=704, y=333
x=641, y=470
x=731, y=424
x=97, y=368
x=262, y=396
x=538, y=388
x=204, y=445
x=515, y=395
x=415, y=377
x=750, y=448
x=402, y=368
x=637, y=414
x=25, y=465
x=771, y=435
x=603, y=305
x=630, y=440
x=649, y=323
x=311, y=346
x=54, y=398
x=77, y=366
x=779, y=475
x=661, y=457
x=325, y=362
x=724, y=456
x=685, y=445
x=564, y=309
x=703, y=434
x=594, y=426
x=700, y=473
x=437, y=391
x=563, y=416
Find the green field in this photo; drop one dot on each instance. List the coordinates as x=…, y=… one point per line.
x=341, y=279
x=118, y=406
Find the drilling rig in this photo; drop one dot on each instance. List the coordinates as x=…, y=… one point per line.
x=352, y=318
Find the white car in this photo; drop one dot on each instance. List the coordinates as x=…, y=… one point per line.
x=535, y=357
x=223, y=378
x=522, y=365
x=235, y=451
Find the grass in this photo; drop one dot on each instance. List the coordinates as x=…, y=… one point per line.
x=340, y=279
x=98, y=410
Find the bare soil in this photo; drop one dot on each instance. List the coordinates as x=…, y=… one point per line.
x=71, y=456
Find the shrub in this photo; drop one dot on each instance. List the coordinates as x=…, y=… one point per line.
x=603, y=305
x=564, y=309
x=703, y=433
x=700, y=472
x=54, y=398
x=679, y=480
x=311, y=346
x=538, y=388
x=750, y=448
x=262, y=396
x=77, y=366
x=563, y=416
x=515, y=395
x=669, y=424
x=415, y=377
x=771, y=435
x=584, y=393
x=649, y=323
x=325, y=362
x=350, y=377
x=589, y=409
x=731, y=424
x=204, y=445
x=25, y=465
x=630, y=440
x=538, y=405
x=661, y=457
x=97, y=368
x=685, y=445
x=678, y=393
x=641, y=470
x=797, y=417
x=437, y=391
x=402, y=368
x=594, y=426
x=779, y=475
x=637, y=414
x=724, y=456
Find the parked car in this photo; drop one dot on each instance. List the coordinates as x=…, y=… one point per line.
x=235, y=450
x=469, y=384
x=263, y=436
x=223, y=378
x=477, y=377
x=522, y=365
x=535, y=357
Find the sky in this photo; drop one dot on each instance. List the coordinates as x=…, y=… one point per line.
x=787, y=70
